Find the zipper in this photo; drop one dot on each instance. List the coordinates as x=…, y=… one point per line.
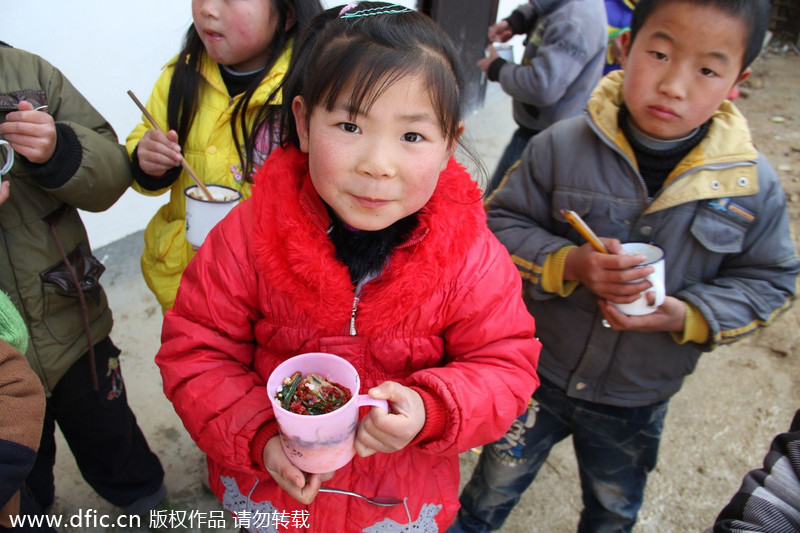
x=353, y=317
x=356, y=299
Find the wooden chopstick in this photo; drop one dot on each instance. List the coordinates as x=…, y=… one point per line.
x=185, y=164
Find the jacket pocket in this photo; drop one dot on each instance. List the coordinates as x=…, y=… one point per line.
x=717, y=232
x=607, y=216
x=87, y=271
x=62, y=310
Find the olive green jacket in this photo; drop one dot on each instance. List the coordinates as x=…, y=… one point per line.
x=89, y=171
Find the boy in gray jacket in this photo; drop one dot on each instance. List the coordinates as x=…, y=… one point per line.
x=660, y=156
x=565, y=51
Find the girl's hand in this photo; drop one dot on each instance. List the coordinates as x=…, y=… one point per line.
x=609, y=275
x=669, y=316
x=158, y=153
x=300, y=485
x=380, y=431
x=32, y=134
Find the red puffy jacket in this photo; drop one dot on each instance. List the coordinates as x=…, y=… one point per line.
x=445, y=317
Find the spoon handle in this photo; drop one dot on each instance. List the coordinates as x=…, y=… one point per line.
x=378, y=500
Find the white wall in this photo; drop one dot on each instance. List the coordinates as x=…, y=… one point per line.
x=105, y=48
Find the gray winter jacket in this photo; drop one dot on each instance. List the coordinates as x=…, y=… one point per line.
x=721, y=217
x=565, y=52
x=90, y=170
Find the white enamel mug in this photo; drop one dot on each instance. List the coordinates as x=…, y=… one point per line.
x=202, y=214
x=654, y=257
x=9, y=157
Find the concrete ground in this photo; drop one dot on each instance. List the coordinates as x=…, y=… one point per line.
x=719, y=425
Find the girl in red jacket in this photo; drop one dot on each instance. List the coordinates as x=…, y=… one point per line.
x=364, y=238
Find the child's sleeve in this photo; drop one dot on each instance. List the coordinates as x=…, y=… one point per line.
x=21, y=416
x=88, y=155
x=568, y=44
x=520, y=215
x=769, y=497
x=491, y=357
x=208, y=347
x=522, y=19
x=157, y=106
x=757, y=283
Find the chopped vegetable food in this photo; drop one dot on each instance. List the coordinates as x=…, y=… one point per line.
x=312, y=394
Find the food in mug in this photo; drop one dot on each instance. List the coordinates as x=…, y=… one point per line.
x=311, y=395
x=219, y=196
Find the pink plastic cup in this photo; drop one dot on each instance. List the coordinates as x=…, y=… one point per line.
x=320, y=443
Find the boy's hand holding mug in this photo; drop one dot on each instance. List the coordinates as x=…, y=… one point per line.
x=621, y=283
x=610, y=276
x=30, y=132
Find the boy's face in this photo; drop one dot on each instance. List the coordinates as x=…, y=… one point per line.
x=678, y=71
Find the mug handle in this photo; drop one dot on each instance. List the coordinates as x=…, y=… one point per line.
x=9, y=157
x=658, y=289
x=366, y=399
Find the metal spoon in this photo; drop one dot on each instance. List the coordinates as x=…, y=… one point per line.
x=377, y=500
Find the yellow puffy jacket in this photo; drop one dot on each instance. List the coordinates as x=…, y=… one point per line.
x=210, y=151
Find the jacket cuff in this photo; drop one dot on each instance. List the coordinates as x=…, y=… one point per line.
x=435, y=417
x=493, y=72
x=9, y=509
x=63, y=164
x=517, y=22
x=695, y=327
x=148, y=182
x=265, y=432
x=553, y=273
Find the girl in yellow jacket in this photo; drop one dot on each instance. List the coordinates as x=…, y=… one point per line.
x=215, y=96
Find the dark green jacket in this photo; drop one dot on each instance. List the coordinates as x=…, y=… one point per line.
x=88, y=171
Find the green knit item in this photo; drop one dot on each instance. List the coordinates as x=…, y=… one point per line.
x=12, y=328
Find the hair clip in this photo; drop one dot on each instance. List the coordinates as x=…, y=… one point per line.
x=388, y=10
x=347, y=8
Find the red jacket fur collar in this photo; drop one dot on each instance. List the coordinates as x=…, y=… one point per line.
x=295, y=256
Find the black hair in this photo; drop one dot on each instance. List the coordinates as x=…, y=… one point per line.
x=182, y=100
x=373, y=45
x=755, y=14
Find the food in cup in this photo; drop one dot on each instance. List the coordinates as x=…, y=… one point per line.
x=320, y=444
x=225, y=196
x=311, y=394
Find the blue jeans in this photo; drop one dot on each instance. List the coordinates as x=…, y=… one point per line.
x=511, y=155
x=616, y=447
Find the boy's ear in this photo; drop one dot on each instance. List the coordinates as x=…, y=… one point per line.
x=733, y=94
x=301, y=121
x=625, y=48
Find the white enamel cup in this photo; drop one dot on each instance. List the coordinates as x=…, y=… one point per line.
x=202, y=214
x=654, y=257
x=9, y=157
